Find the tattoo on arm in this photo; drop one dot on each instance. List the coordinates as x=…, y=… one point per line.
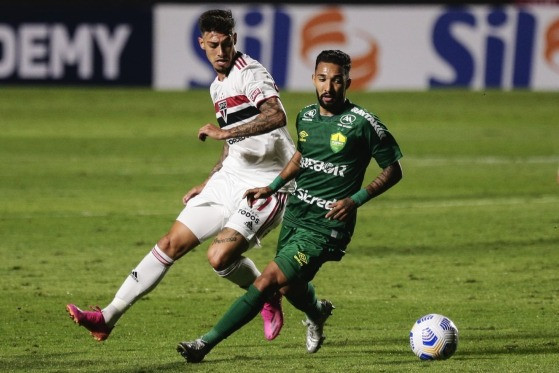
x=272, y=116
x=387, y=179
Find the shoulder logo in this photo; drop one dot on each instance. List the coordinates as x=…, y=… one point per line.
x=348, y=119
x=303, y=136
x=337, y=141
x=309, y=114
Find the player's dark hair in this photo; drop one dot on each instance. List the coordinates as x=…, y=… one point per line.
x=335, y=56
x=217, y=20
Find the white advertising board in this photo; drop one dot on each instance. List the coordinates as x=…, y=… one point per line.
x=392, y=47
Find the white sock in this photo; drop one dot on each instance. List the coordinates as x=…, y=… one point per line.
x=243, y=272
x=141, y=281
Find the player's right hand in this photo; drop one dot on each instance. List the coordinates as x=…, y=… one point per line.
x=211, y=131
x=192, y=193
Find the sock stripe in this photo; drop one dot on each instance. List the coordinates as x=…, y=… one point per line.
x=159, y=256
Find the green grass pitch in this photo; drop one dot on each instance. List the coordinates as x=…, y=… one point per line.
x=91, y=178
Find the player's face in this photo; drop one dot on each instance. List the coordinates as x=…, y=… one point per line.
x=220, y=49
x=331, y=84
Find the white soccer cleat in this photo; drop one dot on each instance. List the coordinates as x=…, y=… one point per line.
x=315, y=329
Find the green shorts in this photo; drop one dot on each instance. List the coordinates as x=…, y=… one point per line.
x=301, y=252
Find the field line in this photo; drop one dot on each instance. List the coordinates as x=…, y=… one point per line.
x=442, y=161
x=469, y=202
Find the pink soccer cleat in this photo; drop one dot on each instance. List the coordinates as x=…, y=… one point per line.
x=272, y=315
x=91, y=320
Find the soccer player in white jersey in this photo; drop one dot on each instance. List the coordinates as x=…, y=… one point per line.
x=256, y=148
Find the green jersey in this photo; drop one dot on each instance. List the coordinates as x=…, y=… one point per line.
x=335, y=152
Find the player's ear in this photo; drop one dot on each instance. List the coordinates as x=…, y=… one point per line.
x=347, y=83
x=201, y=42
x=234, y=38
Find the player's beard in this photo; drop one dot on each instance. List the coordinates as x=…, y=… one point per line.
x=335, y=106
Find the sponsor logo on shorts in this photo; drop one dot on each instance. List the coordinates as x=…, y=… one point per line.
x=251, y=216
x=249, y=225
x=304, y=196
x=301, y=258
x=320, y=166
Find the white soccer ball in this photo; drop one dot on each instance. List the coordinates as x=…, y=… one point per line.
x=434, y=337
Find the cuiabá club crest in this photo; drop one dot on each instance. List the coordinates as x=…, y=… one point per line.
x=337, y=141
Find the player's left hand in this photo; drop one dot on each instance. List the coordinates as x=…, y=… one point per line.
x=212, y=131
x=341, y=209
x=256, y=193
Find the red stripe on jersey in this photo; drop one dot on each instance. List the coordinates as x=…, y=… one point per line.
x=232, y=102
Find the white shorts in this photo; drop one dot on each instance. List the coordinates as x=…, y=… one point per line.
x=221, y=205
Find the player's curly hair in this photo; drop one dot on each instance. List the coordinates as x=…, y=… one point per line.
x=217, y=20
x=335, y=56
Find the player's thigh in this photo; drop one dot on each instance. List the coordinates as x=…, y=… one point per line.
x=301, y=253
x=256, y=221
x=204, y=220
x=226, y=248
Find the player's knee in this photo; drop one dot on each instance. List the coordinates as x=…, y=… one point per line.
x=218, y=260
x=267, y=281
x=172, y=246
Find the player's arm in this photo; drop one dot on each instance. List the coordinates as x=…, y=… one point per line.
x=389, y=177
x=288, y=173
x=198, y=188
x=272, y=115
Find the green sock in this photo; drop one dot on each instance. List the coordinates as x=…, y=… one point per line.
x=240, y=313
x=307, y=302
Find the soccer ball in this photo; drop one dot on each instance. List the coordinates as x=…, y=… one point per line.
x=434, y=337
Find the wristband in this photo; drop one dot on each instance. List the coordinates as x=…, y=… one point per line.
x=277, y=184
x=360, y=197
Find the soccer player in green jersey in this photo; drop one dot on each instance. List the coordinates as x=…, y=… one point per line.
x=336, y=141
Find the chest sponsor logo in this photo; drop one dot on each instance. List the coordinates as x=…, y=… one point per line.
x=337, y=141
x=304, y=196
x=326, y=167
x=235, y=140
x=348, y=119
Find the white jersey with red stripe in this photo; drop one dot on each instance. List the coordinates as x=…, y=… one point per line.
x=255, y=160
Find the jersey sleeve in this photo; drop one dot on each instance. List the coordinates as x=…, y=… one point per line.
x=384, y=148
x=258, y=84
